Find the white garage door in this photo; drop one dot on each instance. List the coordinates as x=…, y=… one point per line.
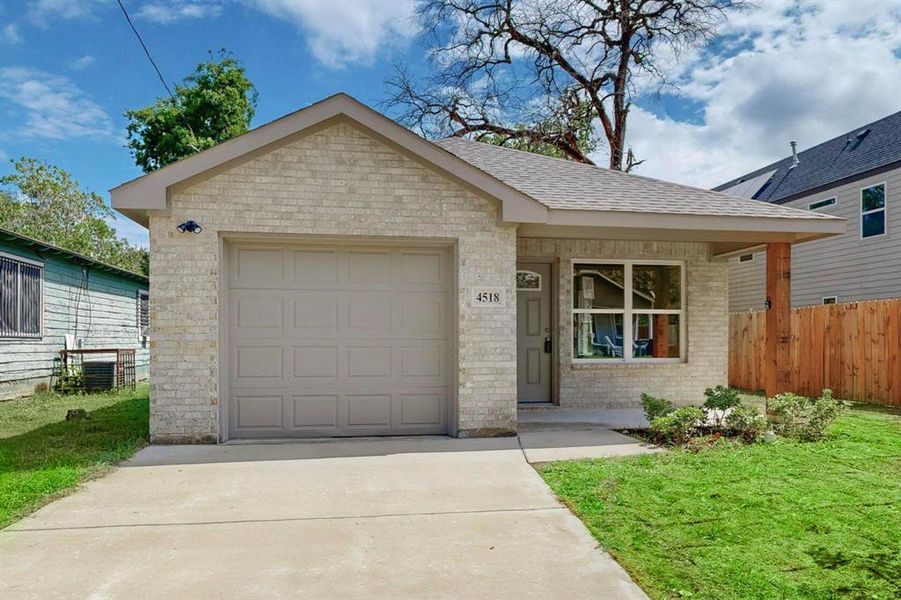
x=333, y=341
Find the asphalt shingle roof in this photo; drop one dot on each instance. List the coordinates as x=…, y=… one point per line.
x=568, y=185
x=865, y=148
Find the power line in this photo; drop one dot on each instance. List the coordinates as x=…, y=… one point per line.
x=146, y=51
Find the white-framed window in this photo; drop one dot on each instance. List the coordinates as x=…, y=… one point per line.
x=528, y=281
x=821, y=203
x=746, y=258
x=830, y=299
x=872, y=211
x=628, y=311
x=21, y=297
x=143, y=312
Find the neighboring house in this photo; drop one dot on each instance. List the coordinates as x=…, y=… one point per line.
x=333, y=273
x=856, y=176
x=48, y=293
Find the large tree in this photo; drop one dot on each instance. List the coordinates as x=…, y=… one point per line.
x=529, y=73
x=44, y=202
x=212, y=105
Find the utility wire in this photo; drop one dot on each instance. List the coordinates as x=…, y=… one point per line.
x=159, y=74
x=146, y=51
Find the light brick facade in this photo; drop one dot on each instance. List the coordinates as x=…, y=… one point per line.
x=339, y=183
x=333, y=182
x=621, y=385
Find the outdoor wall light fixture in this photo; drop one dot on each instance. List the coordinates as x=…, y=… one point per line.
x=190, y=227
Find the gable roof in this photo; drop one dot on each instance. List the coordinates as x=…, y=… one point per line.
x=37, y=246
x=149, y=191
x=534, y=191
x=872, y=147
x=567, y=185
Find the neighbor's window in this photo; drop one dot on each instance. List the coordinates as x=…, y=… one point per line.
x=821, y=204
x=830, y=300
x=627, y=310
x=143, y=312
x=21, y=298
x=872, y=211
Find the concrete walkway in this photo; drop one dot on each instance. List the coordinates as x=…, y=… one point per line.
x=393, y=518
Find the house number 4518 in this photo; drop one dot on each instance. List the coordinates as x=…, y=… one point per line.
x=488, y=297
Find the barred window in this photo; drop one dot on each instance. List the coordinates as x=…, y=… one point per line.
x=143, y=312
x=21, y=298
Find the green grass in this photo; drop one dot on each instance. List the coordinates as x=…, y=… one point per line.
x=780, y=520
x=43, y=456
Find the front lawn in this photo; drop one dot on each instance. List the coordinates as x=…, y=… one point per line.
x=43, y=456
x=780, y=520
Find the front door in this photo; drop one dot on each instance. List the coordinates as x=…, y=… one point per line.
x=533, y=332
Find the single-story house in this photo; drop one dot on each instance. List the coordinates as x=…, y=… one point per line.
x=53, y=299
x=332, y=273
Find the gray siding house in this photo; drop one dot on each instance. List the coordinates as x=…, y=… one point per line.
x=48, y=293
x=856, y=176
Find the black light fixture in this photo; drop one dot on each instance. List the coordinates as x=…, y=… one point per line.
x=190, y=227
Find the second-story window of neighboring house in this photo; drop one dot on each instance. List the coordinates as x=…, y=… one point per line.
x=872, y=211
x=821, y=204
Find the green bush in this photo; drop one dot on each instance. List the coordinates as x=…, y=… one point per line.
x=719, y=400
x=655, y=407
x=746, y=422
x=678, y=426
x=804, y=418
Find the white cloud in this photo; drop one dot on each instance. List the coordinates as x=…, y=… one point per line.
x=165, y=13
x=804, y=71
x=80, y=64
x=41, y=12
x=346, y=32
x=50, y=107
x=9, y=34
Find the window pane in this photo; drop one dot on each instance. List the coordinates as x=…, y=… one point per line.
x=528, y=280
x=597, y=335
x=873, y=224
x=599, y=286
x=656, y=286
x=30, y=287
x=655, y=336
x=9, y=298
x=872, y=198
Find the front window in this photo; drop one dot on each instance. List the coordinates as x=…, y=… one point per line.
x=21, y=298
x=627, y=310
x=872, y=211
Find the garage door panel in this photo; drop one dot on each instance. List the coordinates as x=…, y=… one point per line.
x=368, y=410
x=254, y=362
x=314, y=266
x=259, y=411
x=317, y=311
x=348, y=342
x=314, y=411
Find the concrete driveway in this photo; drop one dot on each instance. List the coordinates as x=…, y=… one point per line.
x=398, y=518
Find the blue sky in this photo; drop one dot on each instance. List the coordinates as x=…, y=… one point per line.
x=783, y=70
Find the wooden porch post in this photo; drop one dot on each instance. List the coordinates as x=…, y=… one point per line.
x=777, y=369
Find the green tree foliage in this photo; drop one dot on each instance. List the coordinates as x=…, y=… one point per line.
x=212, y=105
x=44, y=202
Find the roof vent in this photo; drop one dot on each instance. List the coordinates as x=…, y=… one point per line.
x=795, y=161
x=863, y=133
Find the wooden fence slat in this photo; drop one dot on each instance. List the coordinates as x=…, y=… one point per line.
x=852, y=348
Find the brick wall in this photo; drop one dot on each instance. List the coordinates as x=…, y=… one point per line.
x=335, y=182
x=621, y=385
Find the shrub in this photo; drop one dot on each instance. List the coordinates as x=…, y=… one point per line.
x=655, y=407
x=719, y=400
x=678, y=426
x=805, y=418
x=746, y=422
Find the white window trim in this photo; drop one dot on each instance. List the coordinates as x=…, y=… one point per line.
x=884, y=210
x=823, y=300
x=40, y=265
x=833, y=203
x=627, y=313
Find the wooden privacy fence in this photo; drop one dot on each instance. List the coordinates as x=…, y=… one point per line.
x=852, y=348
